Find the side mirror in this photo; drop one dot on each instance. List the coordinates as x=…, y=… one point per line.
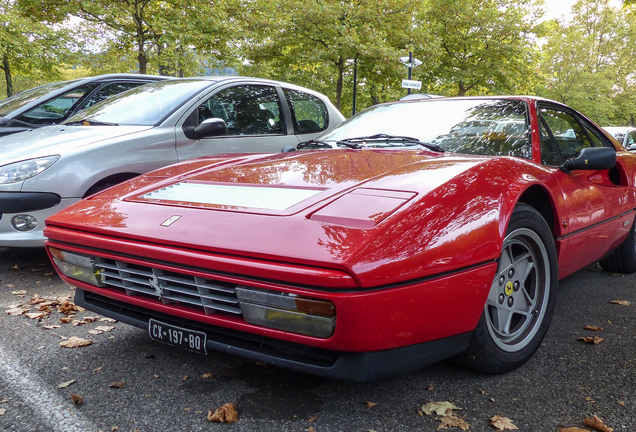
x=210, y=128
x=591, y=158
x=632, y=147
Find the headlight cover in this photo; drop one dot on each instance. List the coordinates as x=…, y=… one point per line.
x=23, y=170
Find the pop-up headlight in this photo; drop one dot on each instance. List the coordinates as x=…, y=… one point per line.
x=76, y=266
x=288, y=312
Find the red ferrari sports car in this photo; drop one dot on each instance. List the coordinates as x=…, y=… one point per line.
x=415, y=231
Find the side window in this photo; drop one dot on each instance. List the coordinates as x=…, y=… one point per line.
x=55, y=110
x=631, y=139
x=247, y=110
x=309, y=113
x=108, y=91
x=549, y=153
x=568, y=134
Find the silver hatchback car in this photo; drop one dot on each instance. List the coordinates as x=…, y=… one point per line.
x=45, y=170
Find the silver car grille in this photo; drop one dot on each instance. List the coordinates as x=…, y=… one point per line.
x=170, y=287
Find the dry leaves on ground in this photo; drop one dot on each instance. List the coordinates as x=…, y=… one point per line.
x=19, y=293
x=620, y=302
x=591, y=340
x=597, y=423
x=208, y=375
x=2, y=411
x=17, y=311
x=75, y=342
x=117, y=384
x=502, y=423
x=100, y=330
x=438, y=408
x=370, y=404
x=226, y=414
x=66, y=384
x=592, y=328
x=451, y=420
x=77, y=399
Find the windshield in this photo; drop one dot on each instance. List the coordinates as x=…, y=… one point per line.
x=11, y=104
x=470, y=126
x=146, y=105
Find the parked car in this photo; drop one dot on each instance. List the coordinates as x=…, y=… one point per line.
x=53, y=103
x=382, y=246
x=48, y=169
x=624, y=135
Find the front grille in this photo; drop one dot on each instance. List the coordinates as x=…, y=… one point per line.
x=170, y=287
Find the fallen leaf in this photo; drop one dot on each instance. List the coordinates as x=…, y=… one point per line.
x=187, y=409
x=48, y=274
x=312, y=419
x=15, y=267
x=481, y=391
x=430, y=387
x=17, y=311
x=4, y=400
x=19, y=293
x=616, y=274
x=98, y=369
x=77, y=399
x=66, y=384
x=35, y=270
x=226, y=414
x=502, y=423
x=310, y=429
x=621, y=302
x=110, y=320
x=184, y=378
x=591, y=340
x=592, y=328
x=597, y=423
x=35, y=315
x=370, y=404
x=50, y=327
x=452, y=420
x=2, y=411
x=101, y=329
x=438, y=408
x=208, y=375
x=36, y=299
x=621, y=403
x=75, y=342
x=117, y=384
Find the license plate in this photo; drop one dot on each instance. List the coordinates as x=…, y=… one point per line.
x=191, y=340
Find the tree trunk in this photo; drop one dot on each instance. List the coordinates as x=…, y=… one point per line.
x=462, y=89
x=142, y=58
x=7, y=75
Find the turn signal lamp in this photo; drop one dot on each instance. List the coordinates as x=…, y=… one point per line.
x=287, y=312
x=76, y=266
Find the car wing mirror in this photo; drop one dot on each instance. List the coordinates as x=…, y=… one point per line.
x=211, y=127
x=591, y=158
x=632, y=147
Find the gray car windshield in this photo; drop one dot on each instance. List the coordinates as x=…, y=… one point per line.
x=469, y=126
x=26, y=97
x=146, y=105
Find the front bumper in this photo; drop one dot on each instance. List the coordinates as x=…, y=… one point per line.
x=13, y=203
x=348, y=366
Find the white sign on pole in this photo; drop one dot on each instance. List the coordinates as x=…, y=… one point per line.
x=411, y=84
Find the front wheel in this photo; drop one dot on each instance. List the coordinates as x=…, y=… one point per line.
x=521, y=299
x=623, y=258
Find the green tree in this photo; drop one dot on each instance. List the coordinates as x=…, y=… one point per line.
x=317, y=41
x=485, y=46
x=28, y=48
x=588, y=62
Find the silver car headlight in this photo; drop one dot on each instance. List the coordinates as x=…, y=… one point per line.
x=20, y=171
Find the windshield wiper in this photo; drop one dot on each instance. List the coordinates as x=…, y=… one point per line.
x=319, y=143
x=90, y=122
x=404, y=140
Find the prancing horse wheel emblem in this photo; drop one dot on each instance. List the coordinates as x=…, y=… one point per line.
x=509, y=288
x=154, y=283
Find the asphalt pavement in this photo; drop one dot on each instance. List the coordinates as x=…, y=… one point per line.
x=167, y=389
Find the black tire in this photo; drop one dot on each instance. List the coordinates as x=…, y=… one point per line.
x=623, y=258
x=523, y=294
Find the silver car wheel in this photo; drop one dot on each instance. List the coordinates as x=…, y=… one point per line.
x=518, y=297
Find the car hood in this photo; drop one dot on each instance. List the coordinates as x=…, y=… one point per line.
x=59, y=139
x=352, y=210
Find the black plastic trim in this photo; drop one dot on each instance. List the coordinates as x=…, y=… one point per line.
x=347, y=366
x=21, y=202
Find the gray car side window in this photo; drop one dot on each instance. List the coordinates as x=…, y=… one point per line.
x=631, y=139
x=57, y=109
x=247, y=110
x=108, y=91
x=309, y=113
